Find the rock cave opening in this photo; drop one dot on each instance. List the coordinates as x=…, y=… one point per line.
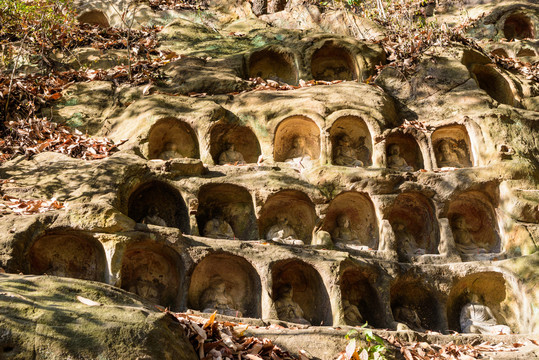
x=413, y=220
x=296, y=136
x=350, y=138
x=403, y=152
x=296, y=283
x=293, y=205
x=518, y=26
x=358, y=293
x=494, y=83
x=94, y=17
x=273, y=64
x=333, y=62
x=172, y=138
x=244, y=141
x=157, y=203
x=154, y=272
x=225, y=283
x=452, y=146
x=350, y=219
x=68, y=255
x=414, y=304
x=474, y=226
x=222, y=204
x=492, y=290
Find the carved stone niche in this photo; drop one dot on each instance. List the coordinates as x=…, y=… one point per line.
x=156, y=196
x=360, y=138
x=494, y=83
x=242, y=284
x=493, y=291
x=171, y=131
x=68, y=255
x=233, y=203
x=415, y=305
x=413, y=220
x=474, y=226
x=452, y=146
x=296, y=207
x=273, y=64
x=518, y=26
x=94, y=17
x=287, y=134
x=333, y=62
x=407, y=148
x=308, y=289
x=359, y=210
x=242, y=137
x=500, y=52
x=357, y=290
x=526, y=52
x=152, y=271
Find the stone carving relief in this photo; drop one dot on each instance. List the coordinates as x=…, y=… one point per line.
x=170, y=151
x=283, y=233
x=395, y=161
x=153, y=218
x=476, y=318
x=344, y=237
x=287, y=308
x=217, y=298
x=345, y=155
x=407, y=315
x=217, y=227
x=230, y=156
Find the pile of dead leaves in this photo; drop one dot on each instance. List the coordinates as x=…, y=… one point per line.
x=33, y=135
x=28, y=207
x=177, y=4
x=226, y=340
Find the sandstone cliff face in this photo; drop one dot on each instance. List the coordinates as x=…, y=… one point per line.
x=204, y=101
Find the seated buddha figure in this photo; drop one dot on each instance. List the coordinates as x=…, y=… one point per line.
x=287, y=308
x=299, y=149
x=282, y=232
x=345, y=155
x=218, y=228
x=230, y=156
x=464, y=240
x=170, y=152
x=395, y=160
x=449, y=154
x=217, y=298
x=344, y=237
x=476, y=318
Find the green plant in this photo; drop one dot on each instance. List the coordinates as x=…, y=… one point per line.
x=375, y=348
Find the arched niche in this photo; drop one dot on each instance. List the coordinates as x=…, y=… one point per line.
x=242, y=137
x=452, y=146
x=273, y=64
x=518, y=26
x=152, y=271
x=296, y=207
x=494, y=83
x=292, y=128
x=333, y=62
x=308, y=289
x=68, y=255
x=172, y=130
x=360, y=137
x=500, y=52
x=493, y=291
x=166, y=200
x=234, y=203
x=359, y=210
x=356, y=288
x=408, y=149
x=473, y=223
x=413, y=219
x=526, y=52
x=94, y=17
x=242, y=283
x=408, y=295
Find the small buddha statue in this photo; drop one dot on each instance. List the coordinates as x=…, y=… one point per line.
x=287, y=308
x=345, y=155
x=476, y=318
x=283, y=233
x=230, y=156
x=153, y=218
x=146, y=289
x=298, y=150
x=363, y=152
x=218, y=228
x=464, y=240
x=352, y=316
x=395, y=160
x=449, y=155
x=344, y=237
x=170, y=151
x=409, y=317
x=407, y=244
x=216, y=298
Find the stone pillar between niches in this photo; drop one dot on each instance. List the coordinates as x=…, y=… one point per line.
x=447, y=242
x=114, y=252
x=388, y=240
x=379, y=156
x=193, y=209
